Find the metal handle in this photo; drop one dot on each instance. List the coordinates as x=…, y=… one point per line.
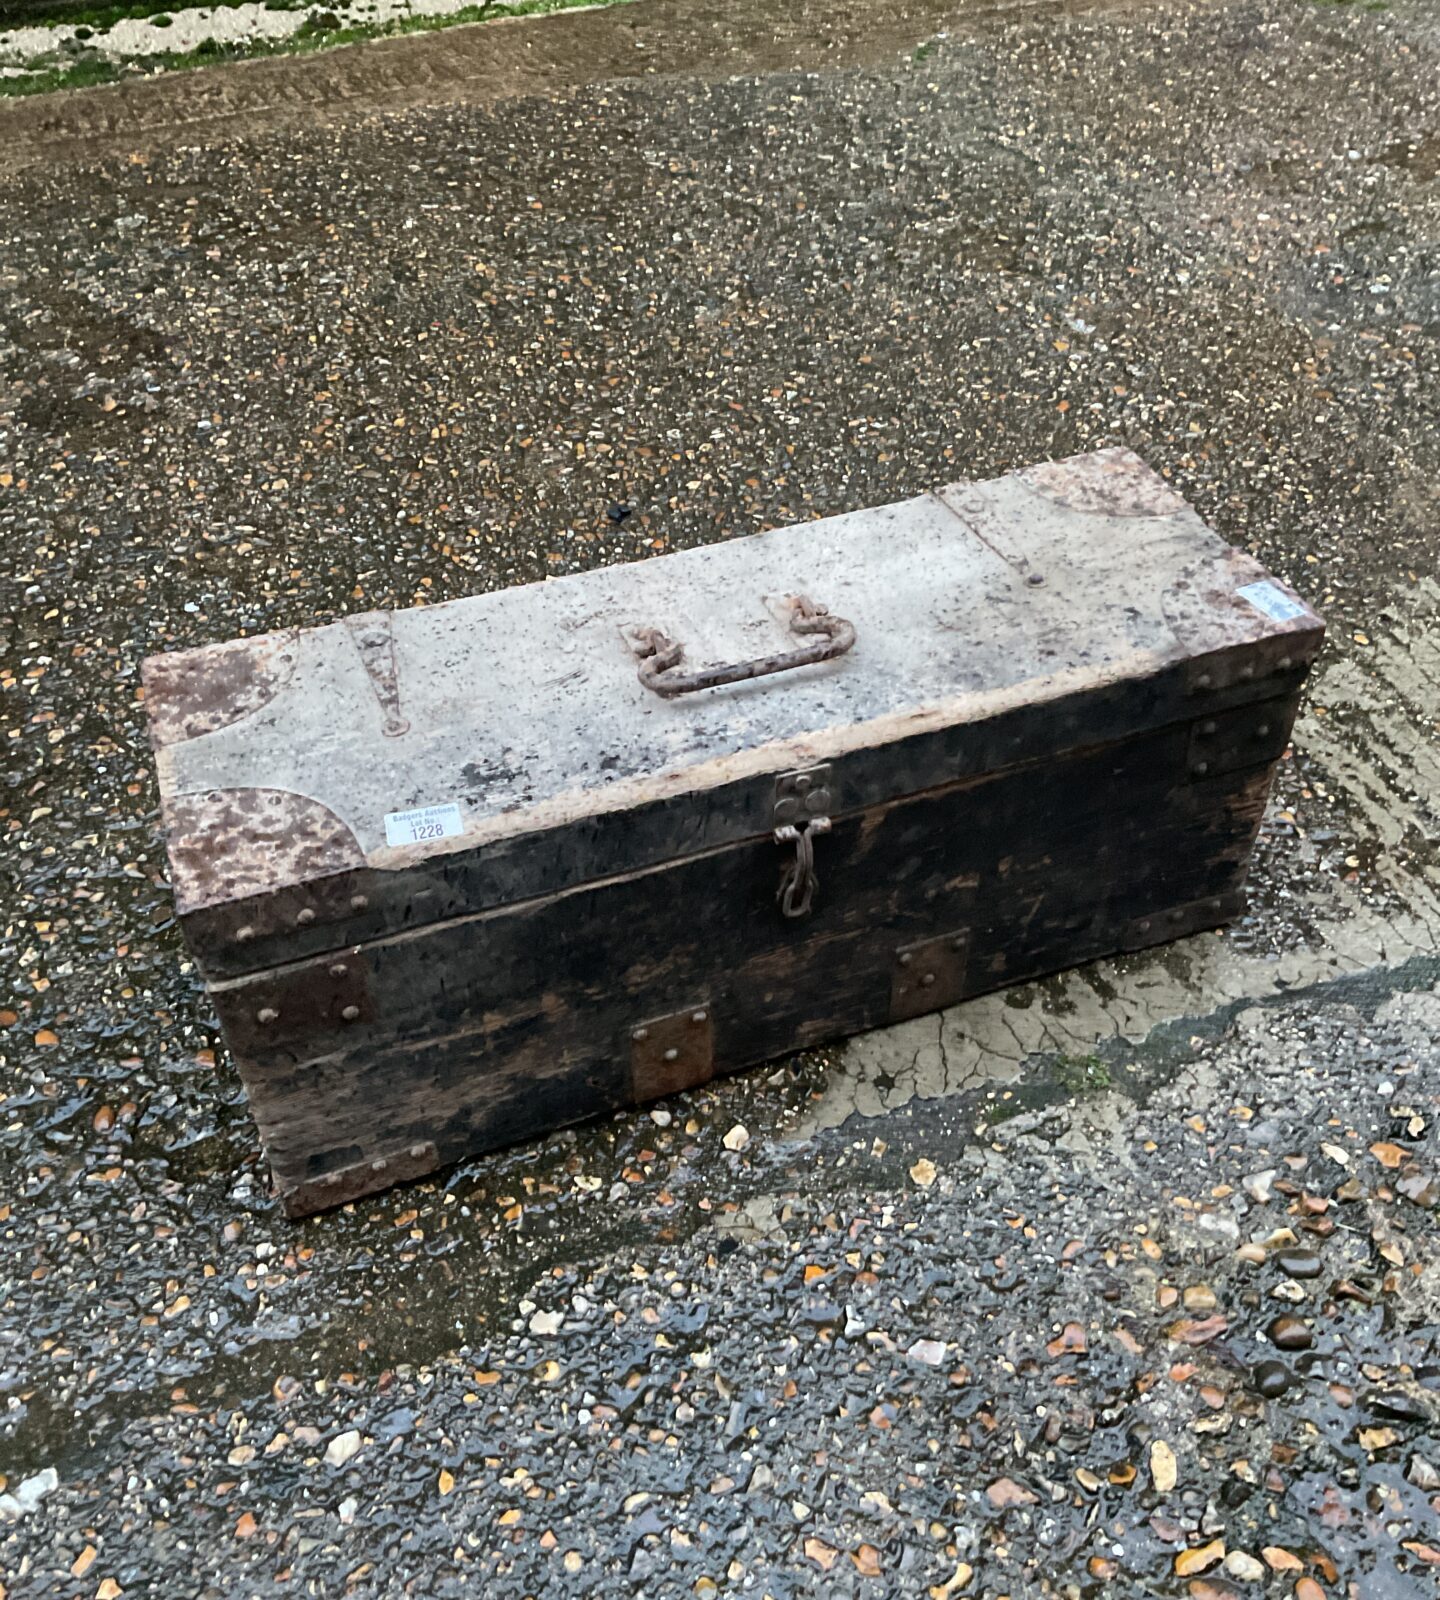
x=662, y=656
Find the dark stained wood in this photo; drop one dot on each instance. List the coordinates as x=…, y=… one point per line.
x=352, y=907
x=499, y=1026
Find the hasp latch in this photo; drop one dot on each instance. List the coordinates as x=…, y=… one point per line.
x=802, y=810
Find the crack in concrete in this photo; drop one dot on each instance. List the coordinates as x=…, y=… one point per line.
x=944, y=1053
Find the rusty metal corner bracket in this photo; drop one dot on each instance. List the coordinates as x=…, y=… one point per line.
x=1178, y=922
x=339, y=1187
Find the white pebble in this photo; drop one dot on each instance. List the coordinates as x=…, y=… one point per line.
x=1257, y=1185
x=29, y=1495
x=342, y=1447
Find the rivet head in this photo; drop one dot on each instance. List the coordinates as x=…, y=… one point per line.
x=358, y=902
x=1143, y=925
x=905, y=958
x=267, y=1014
x=699, y=1016
x=1207, y=727
x=1201, y=768
x=1035, y=579
x=817, y=801
x=640, y=1035
x=245, y=933
x=350, y=1013
x=802, y=783
x=339, y=970
x=926, y=979
x=1215, y=907
x=672, y=1054
x=378, y=1166
x=305, y=916
x=1263, y=731
x=419, y=1151
x=1284, y=663
x=957, y=944
x=1204, y=681
x=1247, y=672
x=1177, y=916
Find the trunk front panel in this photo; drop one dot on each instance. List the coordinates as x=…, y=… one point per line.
x=424, y=1047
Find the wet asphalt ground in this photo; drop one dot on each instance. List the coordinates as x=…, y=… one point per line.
x=1123, y=1283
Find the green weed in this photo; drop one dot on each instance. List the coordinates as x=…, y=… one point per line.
x=1082, y=1074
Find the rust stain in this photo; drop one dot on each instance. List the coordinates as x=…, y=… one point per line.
x=1108, y=483
x=1226, y=639
x=226, y=844
x=193, y=692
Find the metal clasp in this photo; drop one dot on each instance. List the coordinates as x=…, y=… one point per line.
x=802, y=805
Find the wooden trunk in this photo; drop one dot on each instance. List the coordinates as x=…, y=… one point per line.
x=456, y=876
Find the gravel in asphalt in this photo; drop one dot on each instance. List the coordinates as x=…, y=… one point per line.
x=1122, y=1283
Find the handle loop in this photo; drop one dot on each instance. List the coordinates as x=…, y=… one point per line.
x=661, y=656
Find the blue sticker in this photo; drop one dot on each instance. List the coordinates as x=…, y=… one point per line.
x=1272, y=600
